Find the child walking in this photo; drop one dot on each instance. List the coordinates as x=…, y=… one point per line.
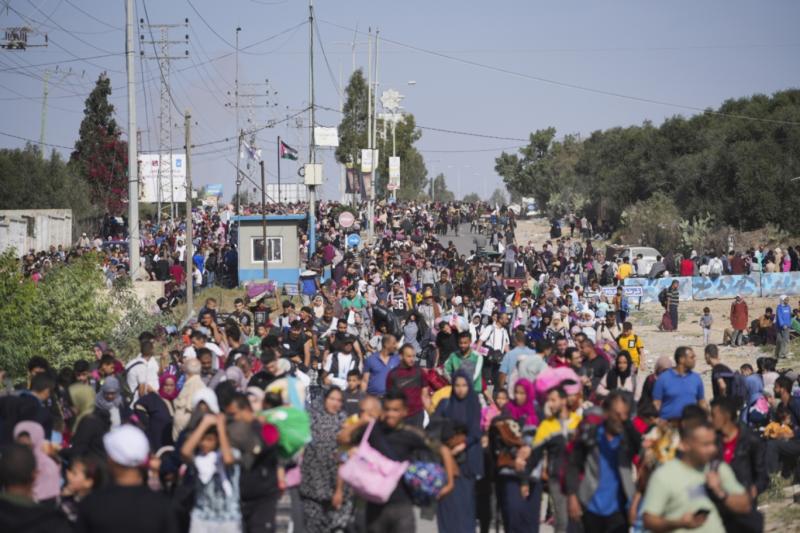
x=208, y=450
x=705, y=322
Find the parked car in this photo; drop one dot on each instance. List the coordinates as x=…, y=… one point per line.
x=649, y=256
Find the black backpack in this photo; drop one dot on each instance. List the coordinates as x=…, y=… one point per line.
x=662, y=297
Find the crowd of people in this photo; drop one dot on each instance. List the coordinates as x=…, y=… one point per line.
x=506, y=387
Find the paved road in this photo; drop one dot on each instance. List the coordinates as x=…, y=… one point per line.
x=463, y=240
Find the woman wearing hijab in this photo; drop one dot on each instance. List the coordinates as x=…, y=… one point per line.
x=47, y=482
x=155, y=412
x=183, y=403
x=88, y=428
x=109, y=402
x=236, y=376
x=518, y=499
x=521, y=407
x=325, y=505
x=456, y=512
x=621, y=376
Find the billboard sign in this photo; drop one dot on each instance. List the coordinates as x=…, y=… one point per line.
x=149, y=165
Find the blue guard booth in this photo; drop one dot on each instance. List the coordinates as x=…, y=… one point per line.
x=282, y=250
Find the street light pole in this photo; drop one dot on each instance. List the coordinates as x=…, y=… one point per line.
x=133, y=164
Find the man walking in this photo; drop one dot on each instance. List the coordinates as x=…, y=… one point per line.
x=685, y=493
x=678, y=387
x=739, y=320
x=783, y=321
x=599, y=480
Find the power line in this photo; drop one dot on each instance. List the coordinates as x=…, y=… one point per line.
x=35, y=142
x=558, y=83
x=220, y=37
x=50, y=63
x=327, y=64
x=62, y=28
x=104, y=23
x=443, y=130
x=155, y=52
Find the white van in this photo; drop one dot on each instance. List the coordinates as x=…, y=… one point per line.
x=649, y=256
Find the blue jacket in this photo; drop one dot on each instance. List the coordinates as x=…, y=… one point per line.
x=783, y=316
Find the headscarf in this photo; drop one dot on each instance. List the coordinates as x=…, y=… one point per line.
x=467, y=412
x=82, y=397
x=664, y=362
x=320, y=466
x=236, y=376
x=525, y=413
x=161, y=381
x=615, y=378
x=110, y=385
x=48, y=475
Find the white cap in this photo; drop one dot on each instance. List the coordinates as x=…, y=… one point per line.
x=208, y=397
x=458, y=300
x=127, y=445
x=783, y=297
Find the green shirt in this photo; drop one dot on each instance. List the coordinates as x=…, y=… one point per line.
x=472, y=364
x=676, y=488
x=359, y=302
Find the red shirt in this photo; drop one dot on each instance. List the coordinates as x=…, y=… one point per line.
x=728, y=448
x=557, y=362
x=176, y=271
x=409, y=381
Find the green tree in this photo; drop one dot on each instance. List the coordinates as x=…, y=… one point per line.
x=440, y=191
x=353, y=138
x=353, y=127
x=498, y=197
x=471, y=198
x=22, y=334
x=101, y=156
x=544, y=169
x=31, y=182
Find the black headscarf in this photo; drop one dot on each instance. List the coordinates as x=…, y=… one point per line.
x=615, y=377
x=467, y=412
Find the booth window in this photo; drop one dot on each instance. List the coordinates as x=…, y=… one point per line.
x=274, y=249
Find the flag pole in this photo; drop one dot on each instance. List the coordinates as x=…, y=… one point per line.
x=279, y=169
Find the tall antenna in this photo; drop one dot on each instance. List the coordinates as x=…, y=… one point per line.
x=165, y=108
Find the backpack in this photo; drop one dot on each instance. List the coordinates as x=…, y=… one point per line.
x=125, y=389
x=735, y=386
x=662, y=297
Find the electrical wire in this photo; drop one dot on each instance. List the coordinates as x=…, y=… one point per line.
x=155, y=52
x=104, y=23
x=220, y=37
x=568, y=85
x=62, y=28
x=444, y=130
x=50, y=40
x=3, y=133
x=327, y=64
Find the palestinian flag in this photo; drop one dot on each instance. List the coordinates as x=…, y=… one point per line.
x=287, y=152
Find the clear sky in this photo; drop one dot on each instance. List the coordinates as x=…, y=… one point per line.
x=686, y=53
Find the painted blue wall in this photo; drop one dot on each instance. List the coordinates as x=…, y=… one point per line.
x=281, y=276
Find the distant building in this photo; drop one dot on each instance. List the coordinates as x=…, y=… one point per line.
x=282, y=250
x=35, y=229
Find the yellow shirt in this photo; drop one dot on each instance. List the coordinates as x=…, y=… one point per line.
x=625, y=270
x=440, y=395
x=551, y=426
x=633, y=345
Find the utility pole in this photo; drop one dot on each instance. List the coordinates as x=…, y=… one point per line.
x=375, y=153
x=264, y=214
x=371, y=197
x=133, y=175
x=239, y=133
x=187, y=125
x=312, y=149
x=63, y=75
x=165, y=108
x=342, y=188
